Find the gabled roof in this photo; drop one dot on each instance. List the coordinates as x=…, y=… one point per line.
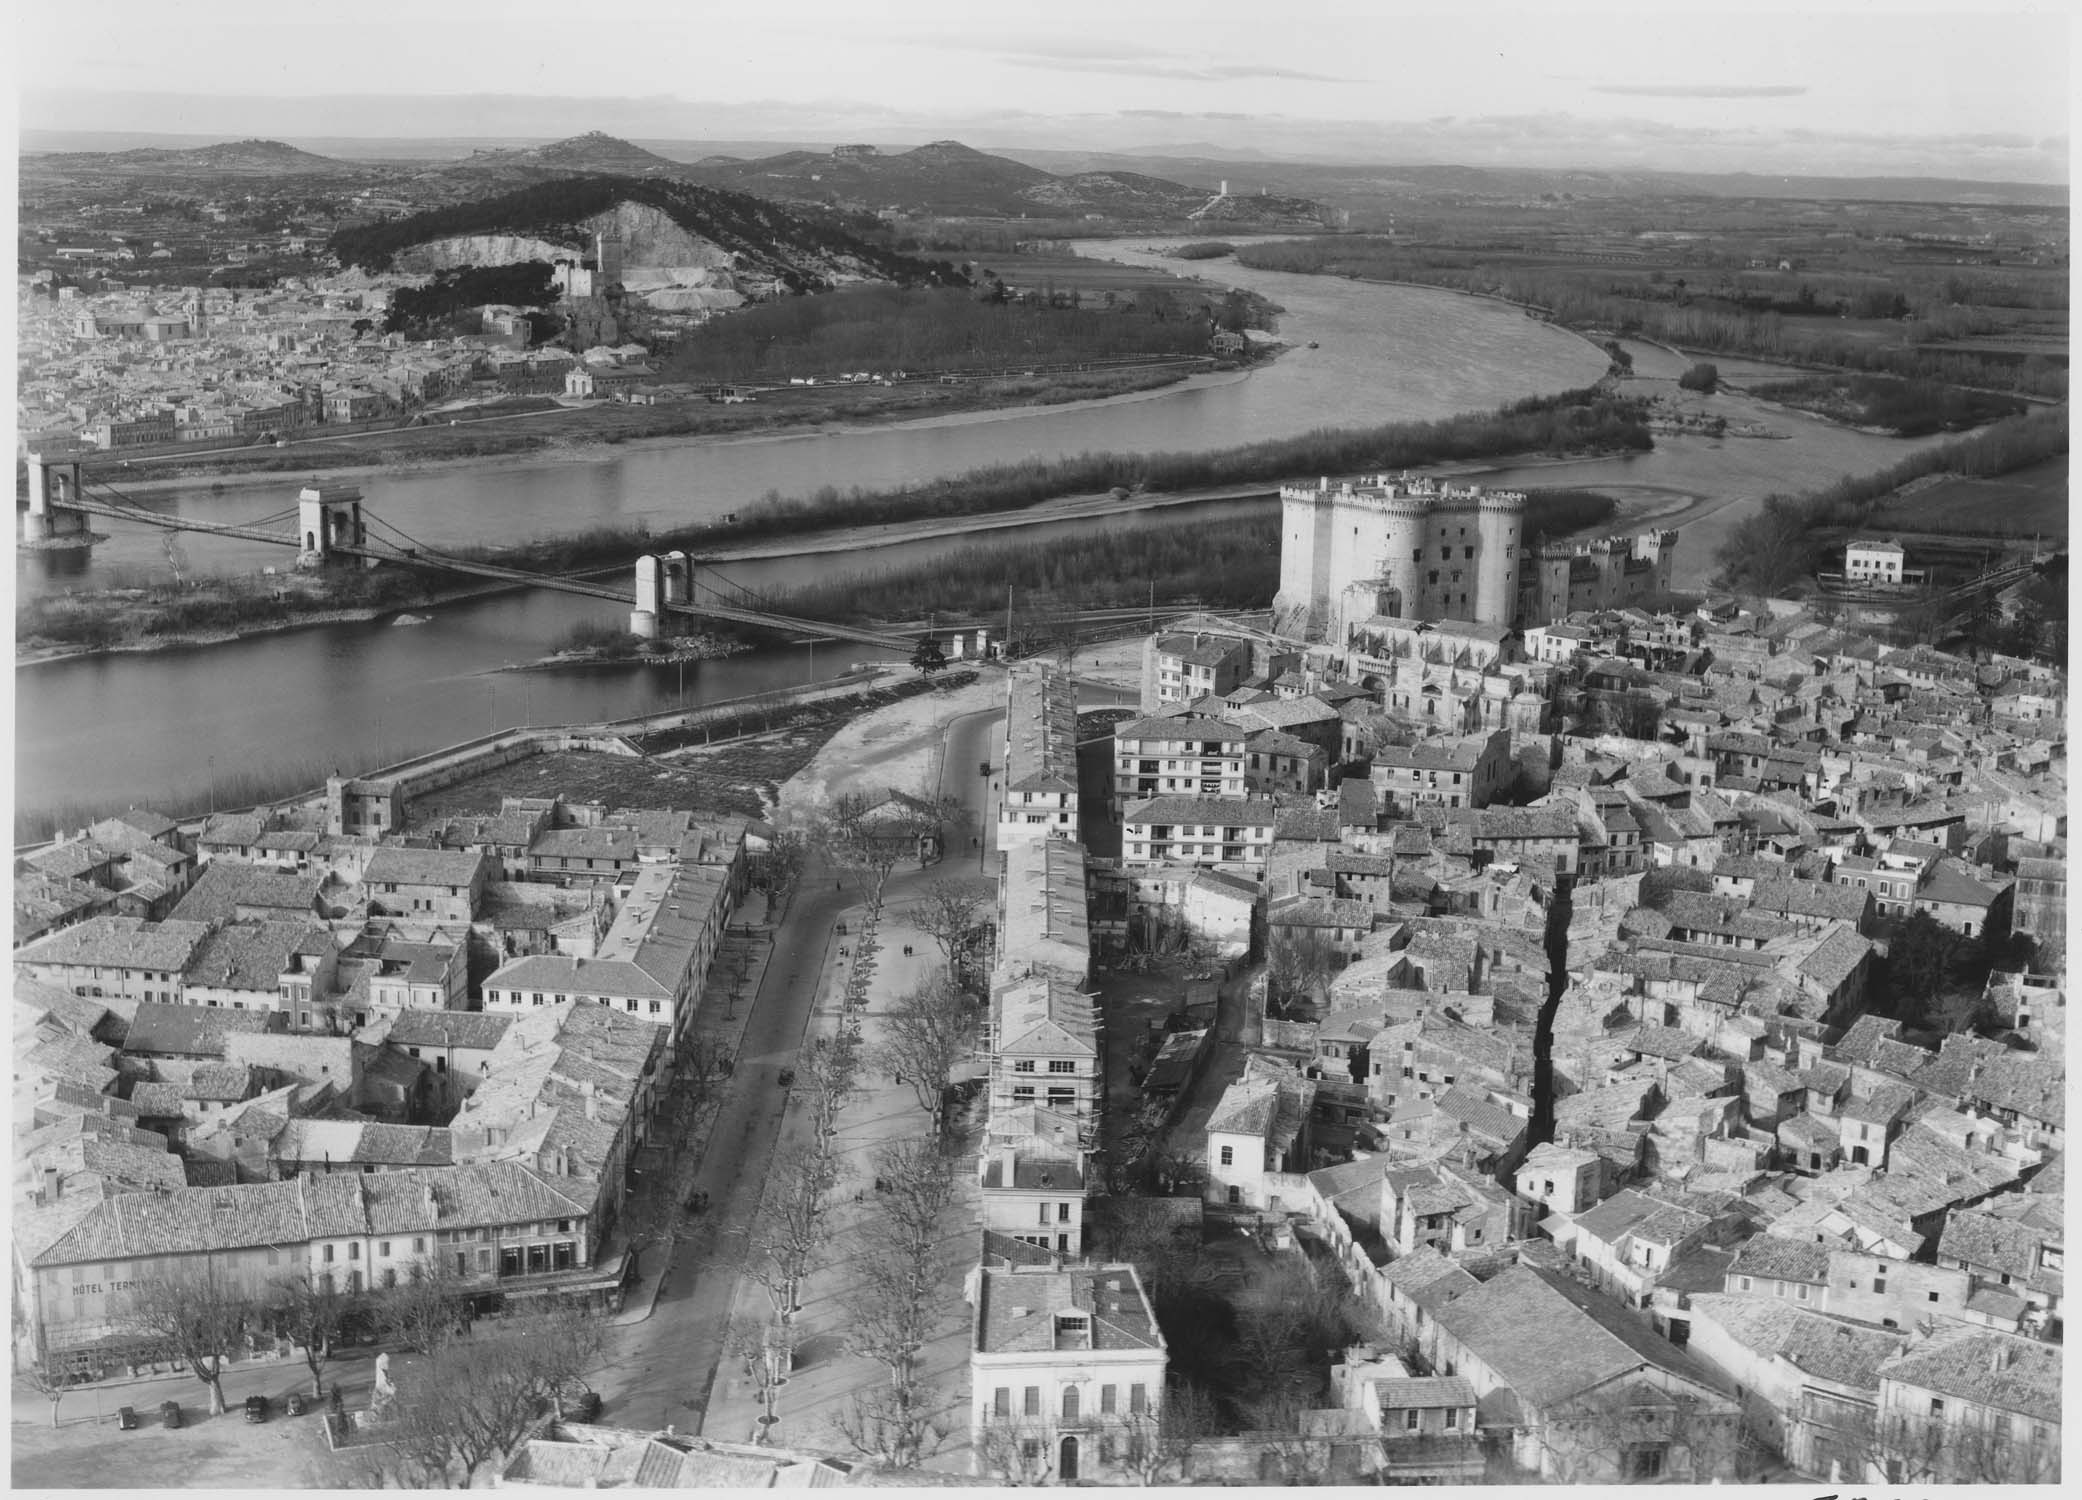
x=118, y=942
x=1551, y=1340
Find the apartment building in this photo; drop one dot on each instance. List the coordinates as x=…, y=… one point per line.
x=1040, y=758
x=1216, y=831
x=1065, y=1365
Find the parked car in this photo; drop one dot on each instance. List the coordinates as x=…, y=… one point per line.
x=256, y=1408
x=126, y=1418
x=296, y=1404
x=169, y=1414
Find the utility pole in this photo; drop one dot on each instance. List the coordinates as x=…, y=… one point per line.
x=1008, y=619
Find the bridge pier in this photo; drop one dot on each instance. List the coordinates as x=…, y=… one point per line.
x=53, y=518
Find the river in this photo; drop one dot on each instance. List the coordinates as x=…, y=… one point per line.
x=152, y=727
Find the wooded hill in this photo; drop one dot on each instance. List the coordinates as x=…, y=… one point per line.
x=806, y=251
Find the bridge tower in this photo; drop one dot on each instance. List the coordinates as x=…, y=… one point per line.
x=328, y=516
x=53, y=516
x=661, y=582
x=650, y=590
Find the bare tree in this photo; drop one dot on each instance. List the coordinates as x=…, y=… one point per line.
x=49, y=1382
x=424, y=1310
x=949, y=912
x=828, y=1074
x=898, y=1426
x=869, y=836
x=789, y=1238
x=310, y=1311
x=1300, y=960
x=1921, y=1450
x=1639, y=1431
x=926, y=1035
x=1160, y=1441
x=892, y=1308
x=1277, y=1422
x=474, y=1398
x=198, y=1315
x=780, y=869
x=768, y=1349
x=1014, y=1450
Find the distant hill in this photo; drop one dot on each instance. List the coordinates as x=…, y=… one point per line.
x=595, y=152
x=250, y=158
x=805, y=251
x=1356, y=183
x=947, y=177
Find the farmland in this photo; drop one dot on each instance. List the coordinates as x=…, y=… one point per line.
x=2032, y=501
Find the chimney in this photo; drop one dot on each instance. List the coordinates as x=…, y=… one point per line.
x=592, y=1105
x=1998, y=1359
x=1008, y=1156
x=53, y=1185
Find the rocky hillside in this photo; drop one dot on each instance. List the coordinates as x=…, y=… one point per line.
x=662, y=224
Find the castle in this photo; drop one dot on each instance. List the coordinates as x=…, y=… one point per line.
x=1412, y=548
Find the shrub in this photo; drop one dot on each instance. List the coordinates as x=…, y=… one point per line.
x=1700, y=377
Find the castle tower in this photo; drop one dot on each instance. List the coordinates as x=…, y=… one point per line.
x=1305, y=543
x=607, y=256
x=1400, y=559
x=1500, y=526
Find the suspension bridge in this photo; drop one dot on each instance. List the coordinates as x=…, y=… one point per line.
x=331, y=523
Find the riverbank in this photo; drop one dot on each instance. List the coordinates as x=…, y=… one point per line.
x=581, y=430
x=1584, y=421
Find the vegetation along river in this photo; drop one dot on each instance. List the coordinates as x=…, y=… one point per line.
x=139, y=727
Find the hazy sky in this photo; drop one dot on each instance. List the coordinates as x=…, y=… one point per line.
x=1966, y=88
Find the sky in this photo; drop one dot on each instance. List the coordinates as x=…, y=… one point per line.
x=1969, y=89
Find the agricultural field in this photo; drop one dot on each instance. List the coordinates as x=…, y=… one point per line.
x=2031, y=501
x=1093, y=278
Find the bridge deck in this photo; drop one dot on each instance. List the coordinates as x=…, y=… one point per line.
x=443, y=563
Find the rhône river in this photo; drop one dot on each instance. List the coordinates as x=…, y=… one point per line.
x=1387, y=355
x=148, y=727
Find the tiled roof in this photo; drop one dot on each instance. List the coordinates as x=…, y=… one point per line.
x=119, y=942
x=191, y=1030
x=224, y=887
x=1980, y=1239
x=248, y=956
x=1426, y=1391
x=1232, y=811
x=1782, y=1258
x=1812, y=1342
x=1017, y=1309
x=393, y=865
x=414, y=1027
x=1550, y=1340
x=1987, y=1368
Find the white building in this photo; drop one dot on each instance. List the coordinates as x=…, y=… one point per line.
x=1066, y=1366
x=1866, y=561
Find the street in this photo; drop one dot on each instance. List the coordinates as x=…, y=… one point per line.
x=661, y=1371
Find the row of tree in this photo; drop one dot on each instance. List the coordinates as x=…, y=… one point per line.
x=923, y=330
x=467, y=1389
